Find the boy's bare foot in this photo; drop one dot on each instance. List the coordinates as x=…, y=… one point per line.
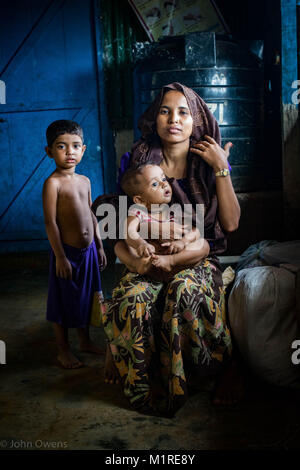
x=111, y=374
x=230, y=386
x=68, y=361
x=89, y=346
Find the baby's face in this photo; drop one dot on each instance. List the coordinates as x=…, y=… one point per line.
x=155, y=188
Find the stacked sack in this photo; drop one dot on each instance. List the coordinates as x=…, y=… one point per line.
x=264, y=310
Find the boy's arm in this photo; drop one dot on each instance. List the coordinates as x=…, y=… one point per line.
x=97, y=237
x=134, y=240
x=50, y=192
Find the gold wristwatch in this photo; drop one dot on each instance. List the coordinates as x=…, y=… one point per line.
x=223, y=172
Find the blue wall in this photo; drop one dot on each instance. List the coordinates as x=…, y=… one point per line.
x=50, y=62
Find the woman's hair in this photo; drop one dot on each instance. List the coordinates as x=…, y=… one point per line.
x=62, y=126
x=130, y=182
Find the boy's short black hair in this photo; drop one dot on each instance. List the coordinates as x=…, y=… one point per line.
x=62, y=126
x=129, y=182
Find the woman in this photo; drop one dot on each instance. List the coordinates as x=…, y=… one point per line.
x=161, y=334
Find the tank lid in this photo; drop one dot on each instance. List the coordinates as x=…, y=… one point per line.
x=199, y=49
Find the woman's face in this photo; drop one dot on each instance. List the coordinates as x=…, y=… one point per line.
x=174, y=122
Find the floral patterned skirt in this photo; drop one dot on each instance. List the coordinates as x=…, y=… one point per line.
x=161, y=334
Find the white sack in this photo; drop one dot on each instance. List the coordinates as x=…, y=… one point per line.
x=263, y=318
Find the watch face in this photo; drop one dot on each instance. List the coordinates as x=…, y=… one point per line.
x=223, y=172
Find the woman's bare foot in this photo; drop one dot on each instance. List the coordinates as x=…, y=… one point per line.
x=89, y=346
x=111, y=374
x=230, y=386
x=67, y=360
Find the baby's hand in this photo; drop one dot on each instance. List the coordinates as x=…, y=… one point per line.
x=145, y=250
x=163, y=262
x=63, y=268
x=174, y=247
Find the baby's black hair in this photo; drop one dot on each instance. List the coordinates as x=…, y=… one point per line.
x=62, y=126
x=129, y=182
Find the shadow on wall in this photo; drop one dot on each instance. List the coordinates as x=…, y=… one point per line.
x=261, y=219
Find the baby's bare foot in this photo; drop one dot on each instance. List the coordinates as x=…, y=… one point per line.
x=67, y=360
x=162, y=262
x=111, y=374
x=143, y=264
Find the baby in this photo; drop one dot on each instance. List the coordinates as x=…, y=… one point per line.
x=147, y=186
x=74, y=237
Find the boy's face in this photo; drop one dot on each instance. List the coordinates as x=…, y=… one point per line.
x=155, y=188
x=67, y=151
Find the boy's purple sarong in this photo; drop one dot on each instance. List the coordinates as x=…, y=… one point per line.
x=69, y=302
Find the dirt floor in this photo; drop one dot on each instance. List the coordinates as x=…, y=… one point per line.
x=43, y=406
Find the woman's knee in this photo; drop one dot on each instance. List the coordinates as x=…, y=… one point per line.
x=185, y=285
x=134, y=290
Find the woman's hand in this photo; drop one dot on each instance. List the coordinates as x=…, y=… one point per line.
x=174, y=247
x=228, y=206
x=145, y=249
x=212, y=153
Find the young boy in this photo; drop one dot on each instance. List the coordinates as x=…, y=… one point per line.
x=147, y=186
x=73, y=233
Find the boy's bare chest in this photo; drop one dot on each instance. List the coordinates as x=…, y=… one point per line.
x=73, y=192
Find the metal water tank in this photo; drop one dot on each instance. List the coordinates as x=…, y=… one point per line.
x=228, y=76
